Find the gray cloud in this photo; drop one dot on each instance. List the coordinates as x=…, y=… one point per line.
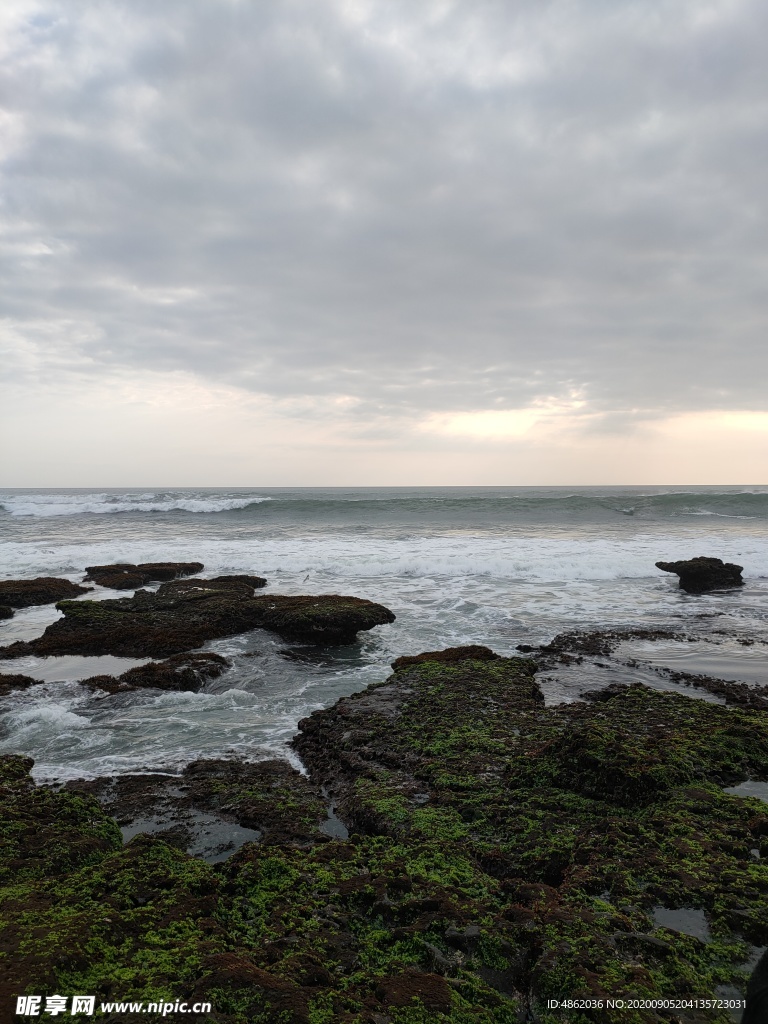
x=437, y=206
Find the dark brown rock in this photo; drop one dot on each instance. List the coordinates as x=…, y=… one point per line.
x=181, y=672
x=698, y=575
x=43, y=590
x=242, y=584
x=182, y=615
x=325, y=619
x=431, y=989
x=126, y=576
x=14, y=682
x=6, y=612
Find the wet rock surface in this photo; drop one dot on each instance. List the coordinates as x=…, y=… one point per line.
x=43, y=590
x=325, y=619
x=449, y=656
x=126, y=576
x=10, y=681
x=598, y=648
x=501, y=853
x=698, y=575
x=181, y=672
x=269, y=799
x=184, y=614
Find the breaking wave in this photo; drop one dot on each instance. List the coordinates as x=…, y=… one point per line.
x=52, y=504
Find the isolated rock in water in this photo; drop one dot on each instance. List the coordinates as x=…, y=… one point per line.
x=184, y=614
x=472, y=652
x=698, y=575
x=325, y=619
x=181, y=672
x=126, y=576
x=14, y=682
x=43, y=590
x=6, y=612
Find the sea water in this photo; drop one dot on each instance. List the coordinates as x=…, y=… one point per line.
x=499, y=566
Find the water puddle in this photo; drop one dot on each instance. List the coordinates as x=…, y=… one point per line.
x=197, y=833
x=564, y=684
x=686, y=920
x=333, y=826
x=727, y=659
x=67, y=668
x=750, y=788
x=27, y=624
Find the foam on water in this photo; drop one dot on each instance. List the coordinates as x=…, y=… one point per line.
x=101, y=503
x=494, y=566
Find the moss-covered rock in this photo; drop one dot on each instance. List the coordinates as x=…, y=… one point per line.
x=503, y=854
x=42, y=590
x=585, y=816
x=184, y=614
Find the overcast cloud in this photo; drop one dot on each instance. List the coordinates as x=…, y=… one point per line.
x=401, y=209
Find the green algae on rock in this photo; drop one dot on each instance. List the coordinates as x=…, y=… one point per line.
x=586, y=815
x=502, y=854
x=184, y=614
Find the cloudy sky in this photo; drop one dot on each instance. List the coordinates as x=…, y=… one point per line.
x=383, y=242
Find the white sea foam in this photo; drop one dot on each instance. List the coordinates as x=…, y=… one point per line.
x=105, y=503
x=452, y=581
x=338, y=557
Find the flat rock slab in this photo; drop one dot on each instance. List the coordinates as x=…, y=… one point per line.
x=126, y=576
x=43, y=590
x=184, y=614
x=698, y=575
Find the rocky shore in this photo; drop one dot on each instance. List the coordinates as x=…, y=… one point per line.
x=458, y=849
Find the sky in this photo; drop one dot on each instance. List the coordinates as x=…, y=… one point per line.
x=371, y=242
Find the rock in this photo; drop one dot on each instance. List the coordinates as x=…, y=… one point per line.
x=325, y=619
x=43, y=590
x=243, y=584
x=181, y=672
x=449, y=656
x=530, y=874
x=698, y=575
x=14, y=682
x=184, y=614
x=271, y=798
x=6, y=612
x=756, y=1011
x=431, y=990
x=126, y=576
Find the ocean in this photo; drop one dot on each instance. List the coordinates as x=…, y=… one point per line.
x=499, y=566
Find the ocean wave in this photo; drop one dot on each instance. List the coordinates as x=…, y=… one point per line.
x=343, y=559
x=104, y=503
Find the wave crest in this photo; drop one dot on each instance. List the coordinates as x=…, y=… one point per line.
x=49, y=505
